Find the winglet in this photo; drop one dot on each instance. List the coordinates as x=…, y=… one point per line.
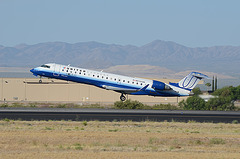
x=200, y=75
x=144, y=88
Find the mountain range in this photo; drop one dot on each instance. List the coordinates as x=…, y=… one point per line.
x=163, y=57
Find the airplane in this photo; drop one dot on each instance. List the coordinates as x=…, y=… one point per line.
x=118, y=83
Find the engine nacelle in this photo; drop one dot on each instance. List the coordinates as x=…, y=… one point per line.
x=157, y=85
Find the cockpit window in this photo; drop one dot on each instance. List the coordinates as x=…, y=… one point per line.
x=45, y=66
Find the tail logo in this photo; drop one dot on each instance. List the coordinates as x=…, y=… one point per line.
x=189, y=82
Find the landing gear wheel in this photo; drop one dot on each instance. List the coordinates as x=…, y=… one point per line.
x=122, y=97
x=40, y=80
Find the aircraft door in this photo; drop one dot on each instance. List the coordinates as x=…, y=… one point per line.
x=56, y=69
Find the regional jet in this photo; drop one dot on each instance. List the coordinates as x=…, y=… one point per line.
x=122, y=84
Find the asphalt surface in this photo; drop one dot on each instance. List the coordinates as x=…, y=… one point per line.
x=118, y=115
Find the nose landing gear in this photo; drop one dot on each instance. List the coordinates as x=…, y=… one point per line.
x=122, y=97
x=40, y=80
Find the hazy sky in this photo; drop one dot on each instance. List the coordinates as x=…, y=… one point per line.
x=193, y=23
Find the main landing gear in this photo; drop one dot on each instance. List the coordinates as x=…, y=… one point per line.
x=122, y=97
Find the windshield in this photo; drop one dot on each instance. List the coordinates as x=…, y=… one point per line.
x=45, y=66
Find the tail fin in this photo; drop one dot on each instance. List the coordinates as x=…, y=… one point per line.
x=190, y=81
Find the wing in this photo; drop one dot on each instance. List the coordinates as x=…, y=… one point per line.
x=124, y=90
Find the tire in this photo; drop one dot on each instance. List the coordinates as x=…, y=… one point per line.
x=122, y=98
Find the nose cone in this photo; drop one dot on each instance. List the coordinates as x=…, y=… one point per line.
x=32, y=70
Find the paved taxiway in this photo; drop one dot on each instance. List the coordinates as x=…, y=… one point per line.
x=119, y=115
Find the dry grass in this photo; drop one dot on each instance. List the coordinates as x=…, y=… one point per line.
x=69, y=139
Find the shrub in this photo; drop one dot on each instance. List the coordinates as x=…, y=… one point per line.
x=198, y=142
x=114, y=130
x=217, y=141
x=17, y=105
x=49, y=128
x=78, y=146
x=165, y=107
x=61, y=105
x=193, y=103
x=128, y=104
x=6, y=119
x=232, y=92
x=85, y=123
x=4, y=105
x=220, y=103
x=32, y=105
x=196, y=91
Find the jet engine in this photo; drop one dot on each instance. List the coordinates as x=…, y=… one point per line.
x=157, y=85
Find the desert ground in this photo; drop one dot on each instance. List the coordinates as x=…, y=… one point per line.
x=95, y=139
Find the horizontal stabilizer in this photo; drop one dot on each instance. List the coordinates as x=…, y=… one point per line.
x=200, y=75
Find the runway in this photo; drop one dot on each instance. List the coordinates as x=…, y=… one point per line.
x=118, y=115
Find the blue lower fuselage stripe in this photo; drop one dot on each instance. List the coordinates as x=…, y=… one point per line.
x=99, y=83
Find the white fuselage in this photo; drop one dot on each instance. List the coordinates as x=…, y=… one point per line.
x=118, y=83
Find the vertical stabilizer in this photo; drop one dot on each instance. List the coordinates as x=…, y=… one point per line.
x=190, y=81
